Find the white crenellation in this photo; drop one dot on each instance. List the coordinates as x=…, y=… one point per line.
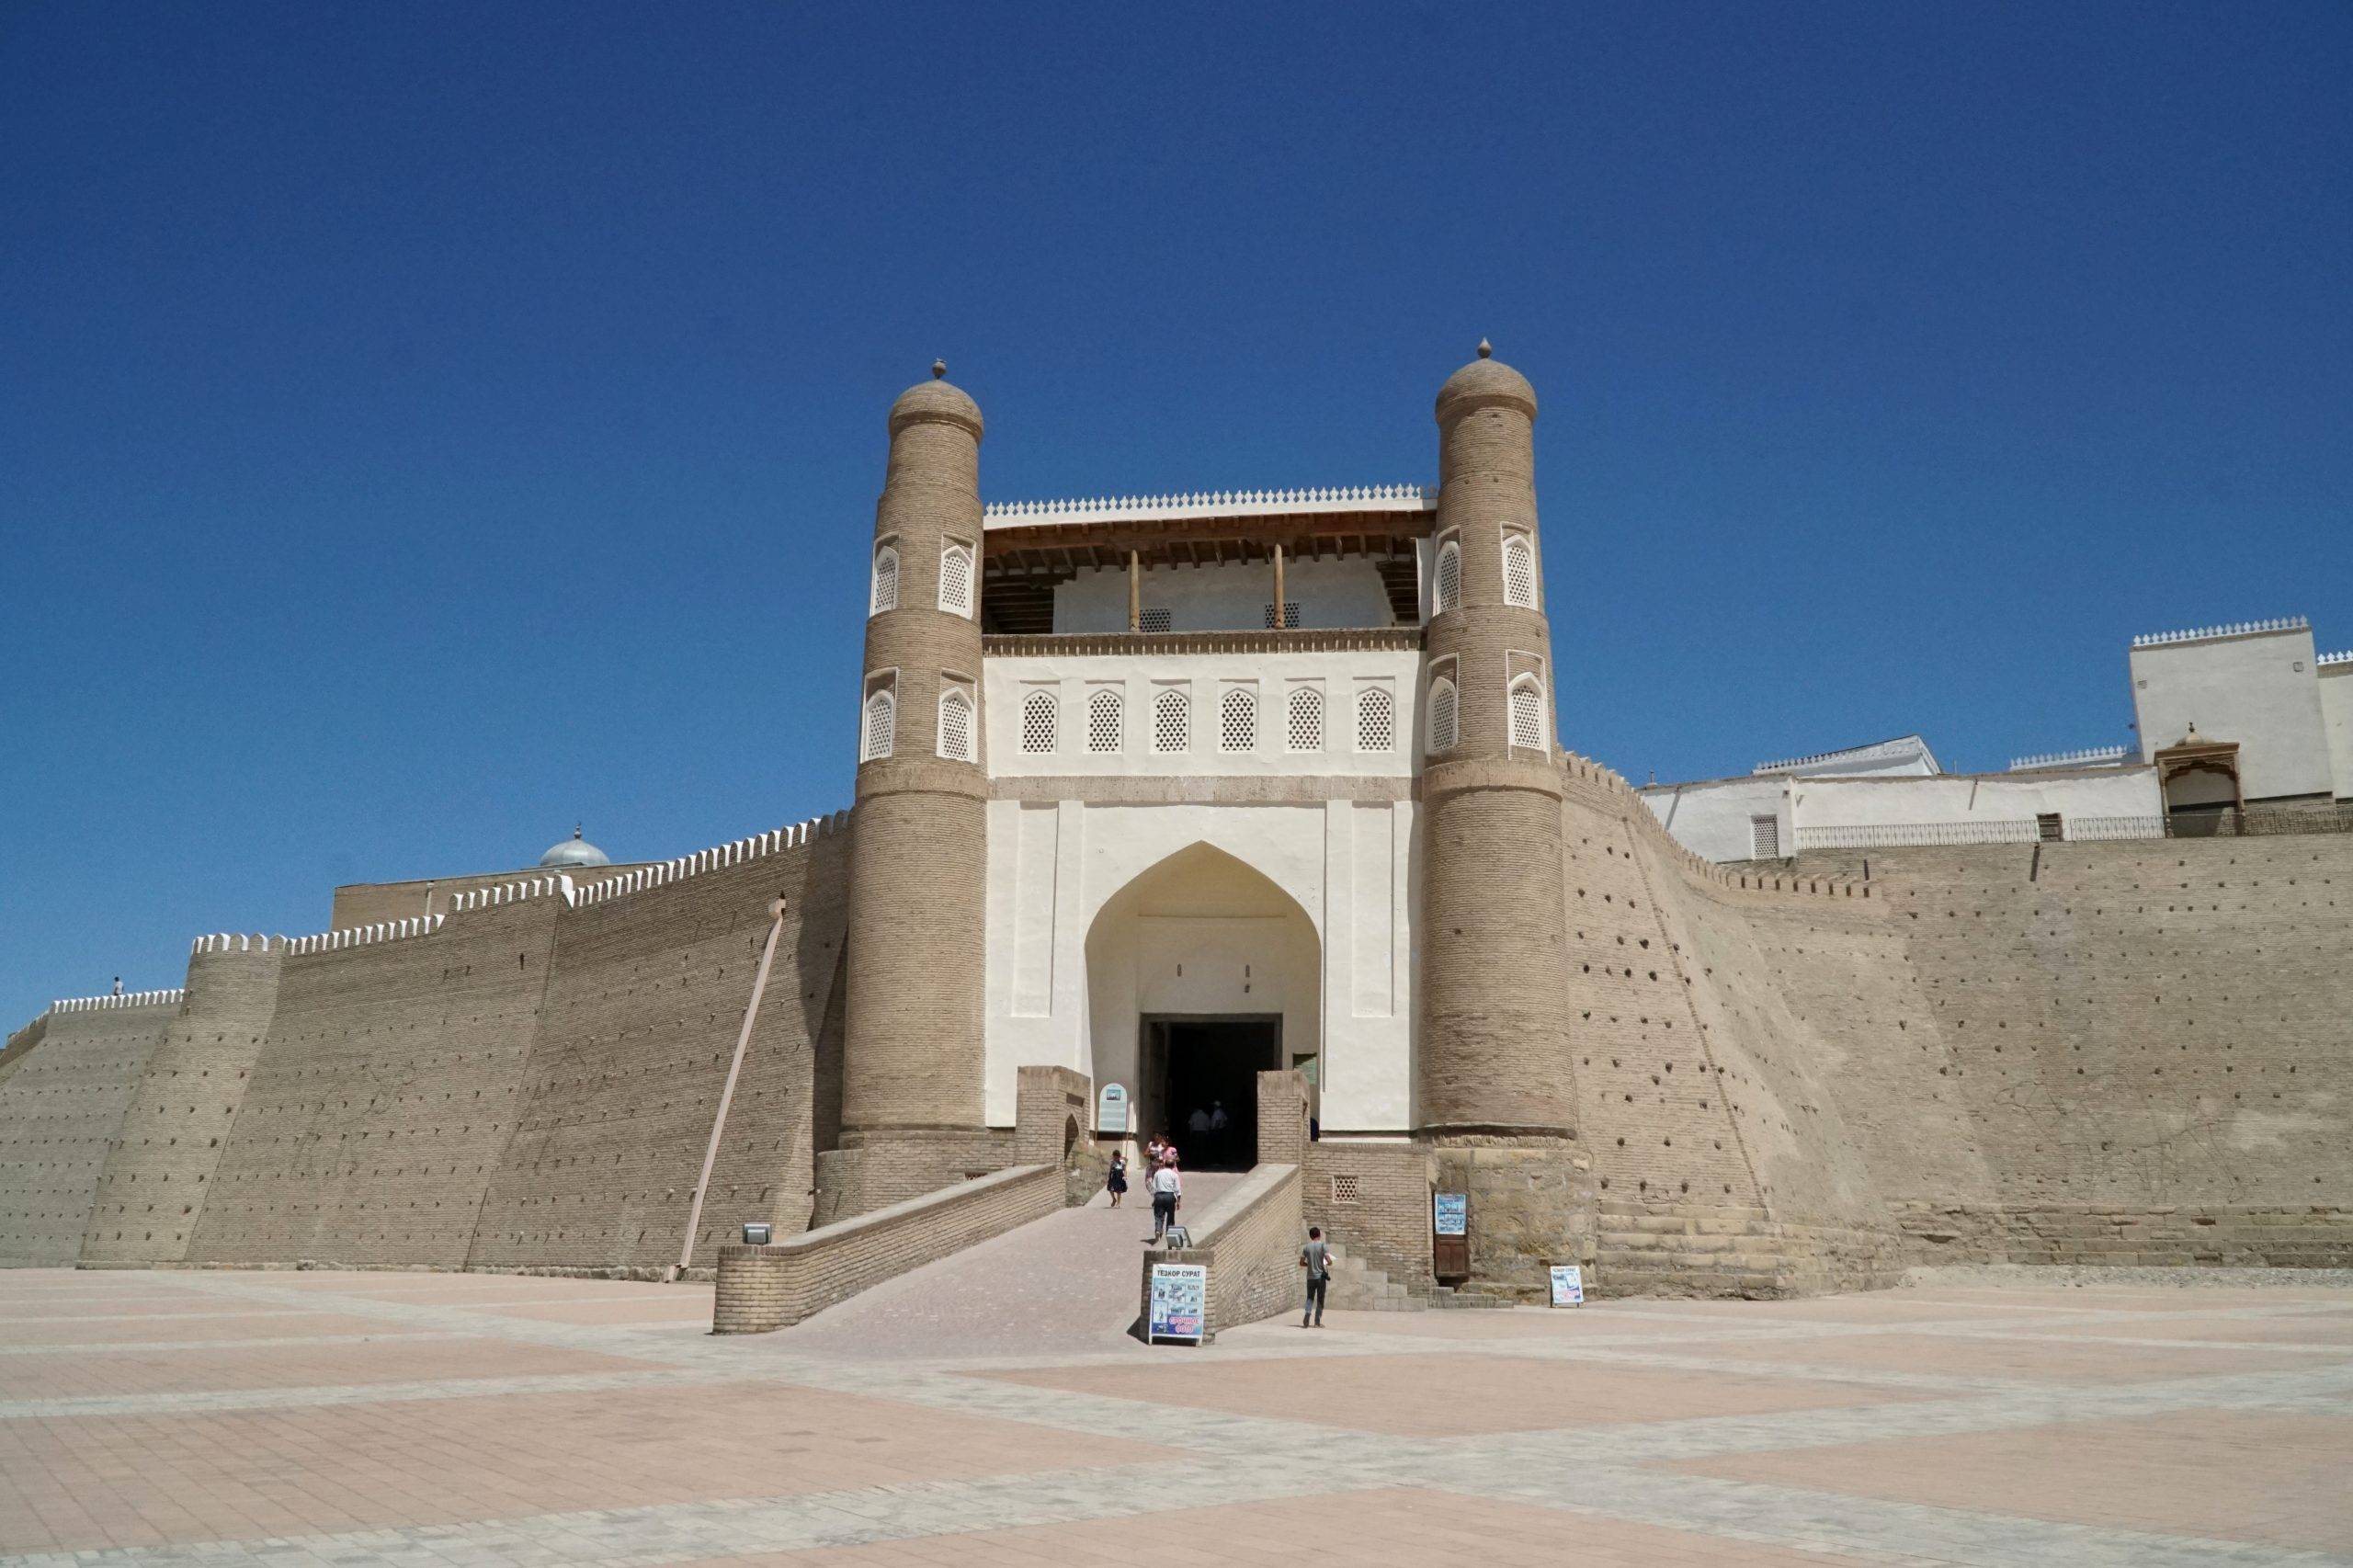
x=2090, y=756
x=733, y=854
x=2236, y=629
x=1903, y=746
x=236, y=942
x=1213, y=503
x=128, y=999
x=2327, y=660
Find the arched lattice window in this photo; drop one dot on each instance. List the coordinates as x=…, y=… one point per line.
x=956, y=724
x=1376, y=718
x=1443, y=732
x=1450, y=576
x=1105, y=726
x=1520, y=570
x=886, y=581
x=956, y=579
x=1039, y=714
x=881, y=727
x=1172, y=722
x=1237, y=721
x=1304, y=724
x=1527, y=713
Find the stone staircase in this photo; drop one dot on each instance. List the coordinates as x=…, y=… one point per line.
x=1358, y=1287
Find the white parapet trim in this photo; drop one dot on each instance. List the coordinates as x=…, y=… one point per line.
x=757, y=847
x=2236, y=629
x=237, y=942
x=516, y=891
x=2090, y=756
x=1211, y=504
x=365, y=936
x=2330, y=661
x=126, y=999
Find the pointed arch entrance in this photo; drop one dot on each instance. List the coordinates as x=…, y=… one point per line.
x=1201, y=973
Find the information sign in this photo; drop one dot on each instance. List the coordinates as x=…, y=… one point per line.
x=1450, y=1213
x=1180, y=1302
x=1111, y=1109
x=1568, y=1285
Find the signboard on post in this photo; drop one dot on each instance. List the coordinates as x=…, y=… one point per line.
x=1568, y=1285
x=1450, y=1213
x=1111, y=1109
x=1180, y=1303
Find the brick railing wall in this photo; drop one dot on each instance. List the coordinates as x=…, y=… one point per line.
x=763, y=1288
x=1249, y=1239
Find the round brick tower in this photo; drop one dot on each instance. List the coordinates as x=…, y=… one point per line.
x=911, y=1062
x=1496, y=1092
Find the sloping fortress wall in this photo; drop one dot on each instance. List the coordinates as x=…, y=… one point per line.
x=2095, y=1054
x=2148, y=1048
x=528, y=1082
x=60, y=1109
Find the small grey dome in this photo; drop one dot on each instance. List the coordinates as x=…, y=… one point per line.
x=574, y=851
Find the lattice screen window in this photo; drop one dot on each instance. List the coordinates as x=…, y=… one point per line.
x=1237, y=721
x=1172, y=722
x=1343, y=1189
x=1443, y=732
x=956, y=579
x=1520, y=570
x=1304, y=724
x=2049, y=827
x=956, y=728
x=881, y=727
x=1376, y=720
x=1105, y=731
x=1290, y=614
x=1528, y=713
x=1152, y=621
x=1450, y=576
x=1764, y=838
x=886, y=580
x=1039, y=714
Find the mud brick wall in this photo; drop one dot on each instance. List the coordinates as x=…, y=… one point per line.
x=62, y=1108
x=184, y=1107
x=625, y=1073
x=2136, y=1032
x=384, y=1097
x=772, y=1287
x=1250, y=1241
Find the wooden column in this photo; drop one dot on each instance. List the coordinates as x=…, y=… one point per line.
x=1135, y=591
x=1281, y=620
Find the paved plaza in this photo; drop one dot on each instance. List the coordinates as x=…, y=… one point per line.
x=313, y=1418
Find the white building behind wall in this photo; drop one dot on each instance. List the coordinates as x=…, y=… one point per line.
x=2228, y=716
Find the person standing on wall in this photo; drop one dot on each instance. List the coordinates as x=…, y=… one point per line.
x=1168, y=1192
x=1316, y=1258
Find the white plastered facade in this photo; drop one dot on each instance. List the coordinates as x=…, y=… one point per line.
x=1105, y=908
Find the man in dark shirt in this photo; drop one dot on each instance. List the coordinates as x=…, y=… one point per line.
x=1316, y=1258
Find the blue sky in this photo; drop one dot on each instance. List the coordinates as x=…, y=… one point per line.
x=424, y=426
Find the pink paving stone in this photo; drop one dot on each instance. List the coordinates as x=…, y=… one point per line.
x=1389, y=1528
x=2325, y=1329
x=1954, y=1356
x=134, y=1307
x=241, y=1475
x=695, y=1309
x=231, y=1325
x=1440, y=1395
x=1563, y=1325
x=2279, y=1480
x=68, y=1375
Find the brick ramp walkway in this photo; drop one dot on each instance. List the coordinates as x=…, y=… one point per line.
x=1066, y=1282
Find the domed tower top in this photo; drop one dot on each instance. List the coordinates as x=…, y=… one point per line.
x=574, y=851
x=1486, y=382
x=936, y=401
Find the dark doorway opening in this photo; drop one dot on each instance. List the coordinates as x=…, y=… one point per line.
x=1199, y=1067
